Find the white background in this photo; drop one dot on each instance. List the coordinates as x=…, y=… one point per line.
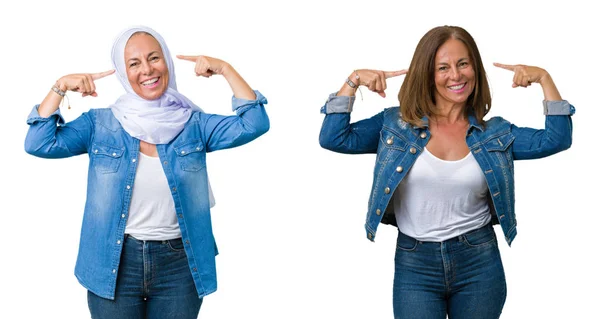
x=289, y=215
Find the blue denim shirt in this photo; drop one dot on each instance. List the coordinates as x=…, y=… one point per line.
x=113, y=159
x=397, y=144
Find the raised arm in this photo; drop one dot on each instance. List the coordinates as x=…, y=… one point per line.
x=557, y=135
x=251, y=121
x=337, y=133
x=48, y=135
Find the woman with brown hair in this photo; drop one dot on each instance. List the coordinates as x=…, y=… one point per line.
x=444, y=175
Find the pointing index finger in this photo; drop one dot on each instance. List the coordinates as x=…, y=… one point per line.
x=391, y=74
x=505, y=66
x=96, y=76
x=192, y=58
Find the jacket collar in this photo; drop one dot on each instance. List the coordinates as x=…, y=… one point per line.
x=472, y=123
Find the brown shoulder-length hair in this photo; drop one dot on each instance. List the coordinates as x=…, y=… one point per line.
x=416, y=95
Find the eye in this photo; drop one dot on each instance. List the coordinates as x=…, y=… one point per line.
x=154, y=58
x=132, y=64
x=463, y=64
x=442, y=68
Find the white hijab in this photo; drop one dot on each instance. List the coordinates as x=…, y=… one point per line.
x=154, y=121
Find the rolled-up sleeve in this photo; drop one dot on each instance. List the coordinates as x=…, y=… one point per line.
x=557, y=135
x=338, y=104
x=250, y=122
x=52, y=137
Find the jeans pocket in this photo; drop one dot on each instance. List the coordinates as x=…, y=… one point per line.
x=175, y=244
x=481, y=237
x=406, y=243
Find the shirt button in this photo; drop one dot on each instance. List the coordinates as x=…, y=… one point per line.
x=412, y=150
x=378, y=212
x=133, y=160
x=95, y=151
x=114, y=154
x=165, y=162
x=114, y=271
x=174, y=189
x=423, y=135
x=122, y=215
x=182, y=152
x=180, y=215
x=370, y=236
x=128, y=187
x=390, y=141
x=187, y=242
x=118, y=242
x=197, y=148
x=195, y=269
x=387, y=190
x=399, y=169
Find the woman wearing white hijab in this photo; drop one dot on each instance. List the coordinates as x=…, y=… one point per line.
x=146, y=249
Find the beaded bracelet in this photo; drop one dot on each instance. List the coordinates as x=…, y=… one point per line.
x=58, y=91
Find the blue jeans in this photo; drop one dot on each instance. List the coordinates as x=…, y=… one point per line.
x=154, y=281
x=462, y=277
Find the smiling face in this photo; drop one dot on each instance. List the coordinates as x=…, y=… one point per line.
x=454, y=74
x=146, y=67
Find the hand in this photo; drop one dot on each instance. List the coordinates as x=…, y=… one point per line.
x=375, y=80
x=205, y=65
x=82, y=82
x=524, y=74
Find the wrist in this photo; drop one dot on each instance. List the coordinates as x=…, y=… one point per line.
x=353, y=80
x=60, y=85
x=545, y=79
x=227, y=70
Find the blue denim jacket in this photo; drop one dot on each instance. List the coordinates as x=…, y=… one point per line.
x=494, y=145
x=113, y=159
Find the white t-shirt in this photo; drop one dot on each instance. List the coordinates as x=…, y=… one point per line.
x=152, y=213
x=440, y=199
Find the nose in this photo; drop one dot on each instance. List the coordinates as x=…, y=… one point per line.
x=146, y=68
x=455, y=74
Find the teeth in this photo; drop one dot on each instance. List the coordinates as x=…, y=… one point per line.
x=457, y=87
x=150, y=81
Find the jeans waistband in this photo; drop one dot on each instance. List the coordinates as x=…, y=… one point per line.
x=164, y=241
x=460, y=238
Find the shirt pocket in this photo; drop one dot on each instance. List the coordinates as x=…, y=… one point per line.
x=105, y=158
x=500, y=150
x=390, y=146
x=191, y=156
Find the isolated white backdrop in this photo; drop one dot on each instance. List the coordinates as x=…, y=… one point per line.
x=289, y=215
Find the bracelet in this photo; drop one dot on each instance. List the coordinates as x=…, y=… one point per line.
x=350, y=83
x=58, y=91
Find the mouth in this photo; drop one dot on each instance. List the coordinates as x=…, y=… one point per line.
x=150, y=84
x=458, y=88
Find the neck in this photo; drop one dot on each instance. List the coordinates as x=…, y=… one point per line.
x=449, y=113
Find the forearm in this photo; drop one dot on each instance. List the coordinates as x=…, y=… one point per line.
x=550, y=91
x=346, y=89
x=51, y=103
x=240, y=88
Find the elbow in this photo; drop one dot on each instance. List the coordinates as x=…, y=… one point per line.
x=327, y=142
x=31, y=148
x=566, y=143
x=263, y=127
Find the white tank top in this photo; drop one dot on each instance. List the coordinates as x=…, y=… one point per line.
x=440, y=199
x=152, y=210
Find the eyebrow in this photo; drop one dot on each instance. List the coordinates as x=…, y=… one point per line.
x=151, y=53
x=459, y=60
